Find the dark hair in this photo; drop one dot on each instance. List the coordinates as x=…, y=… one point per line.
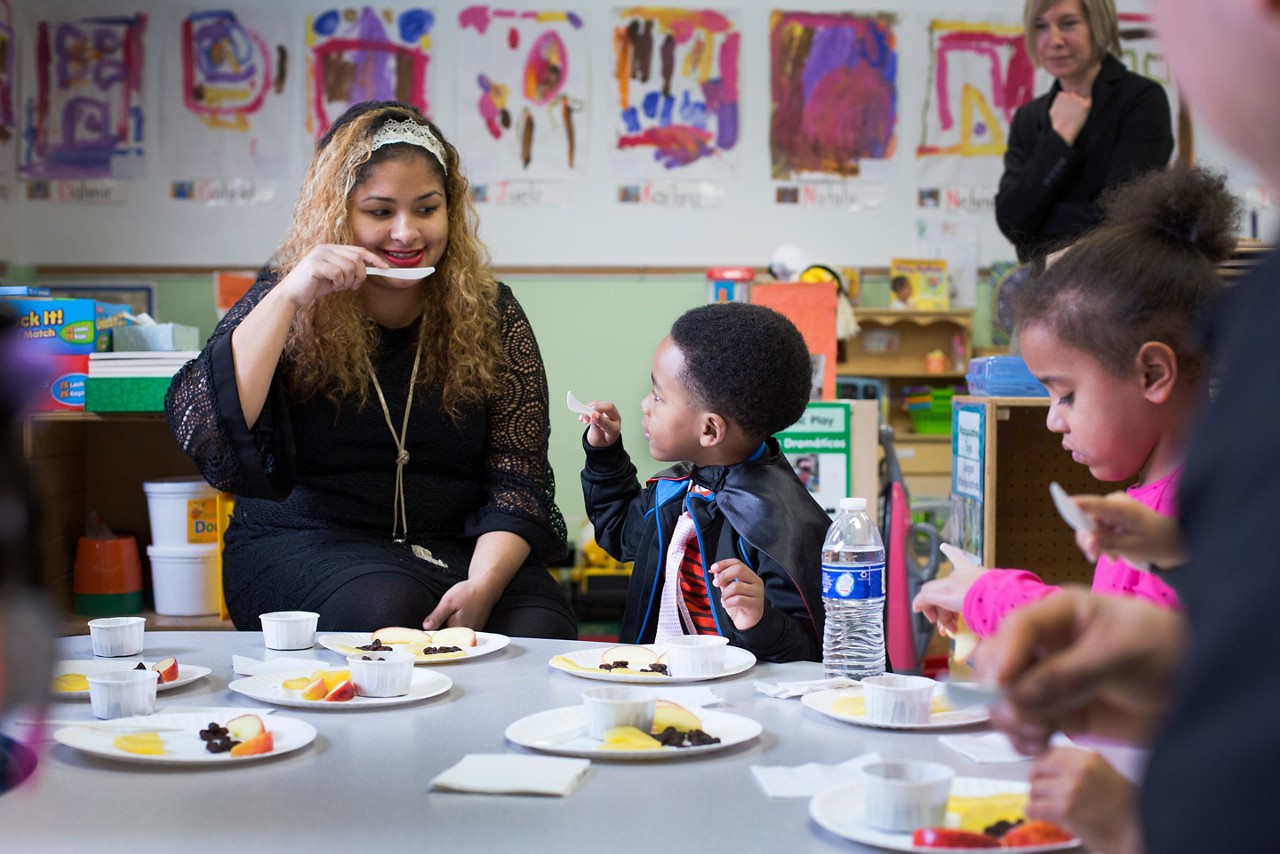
x=1148, y=273
x=747, y=362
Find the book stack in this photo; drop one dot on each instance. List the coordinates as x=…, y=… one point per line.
x=132, y=381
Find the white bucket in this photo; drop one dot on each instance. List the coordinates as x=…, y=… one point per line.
x=185, y=580
x=183, y=511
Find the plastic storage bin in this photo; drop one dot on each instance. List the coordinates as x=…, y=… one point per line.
x=929, y=408
x=1003, y=376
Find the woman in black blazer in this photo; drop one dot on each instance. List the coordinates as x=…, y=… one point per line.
x=1097, y=126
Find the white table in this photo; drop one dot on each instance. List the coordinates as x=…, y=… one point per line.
x=364, y=782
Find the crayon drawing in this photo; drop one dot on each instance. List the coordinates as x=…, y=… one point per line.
x=979, y=74
x=522, y=87
x=363, y=53
x=229, y=117
x=678, y=101
x=82, y=107
x=8, y=118
x=834, y=92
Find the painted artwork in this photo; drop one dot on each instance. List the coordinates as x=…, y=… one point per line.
x=522, y=87
x=8, y=118
x=225, y=109
x=834, y=93
x=365, y=53
x=678, y=100
x=82, y=110
x=979, y=74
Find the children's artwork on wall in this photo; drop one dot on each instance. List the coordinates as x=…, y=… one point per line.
x=365, y=53
x=1141, y=54
x=676, y=79
x=82, y=103
x=834, y=93
x=522, y=86
x=226, y=80
x=8, y=117
x=979, y=74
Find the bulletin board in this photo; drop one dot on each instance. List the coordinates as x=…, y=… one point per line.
x=595, y=135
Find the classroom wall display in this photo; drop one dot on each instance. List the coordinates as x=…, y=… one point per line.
x=8, y=117
x=83, y=111
x=677, y=95
x=365, y=53
x=833, y=92
x=522, y=92
x=227, y=110
x=979, y=74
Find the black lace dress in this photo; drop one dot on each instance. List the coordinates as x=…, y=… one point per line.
x=315, y=484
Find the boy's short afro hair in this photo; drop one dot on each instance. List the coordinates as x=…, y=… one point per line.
x=746, y=362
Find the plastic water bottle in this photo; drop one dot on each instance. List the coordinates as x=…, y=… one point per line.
x=853, y=594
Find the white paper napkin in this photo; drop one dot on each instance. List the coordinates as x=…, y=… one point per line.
x=510, y=774
x=246, y=666
x=992, y=747
x=807, y=686
x=691, y=697
x=805, y=781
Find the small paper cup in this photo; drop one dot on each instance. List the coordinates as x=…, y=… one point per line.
x=903, y=795
x=289, y=629
x=116, y=636
x=617, y=706
x=691, y=656
x=897, y=699
x=381, y=674
x=123, y=693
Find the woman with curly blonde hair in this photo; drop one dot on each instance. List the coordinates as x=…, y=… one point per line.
x=385, y=433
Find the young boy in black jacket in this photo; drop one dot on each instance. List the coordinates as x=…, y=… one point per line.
x=728, y=541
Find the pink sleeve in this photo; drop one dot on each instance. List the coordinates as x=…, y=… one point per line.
x=996, y=593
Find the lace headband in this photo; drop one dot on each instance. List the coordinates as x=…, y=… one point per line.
x=411, y=133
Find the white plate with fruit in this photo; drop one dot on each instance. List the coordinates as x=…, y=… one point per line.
x=332, y=690
x=70, y=678
x=848, y=705
x=640, y=663
x=176, y=739
x=975, y=805
x=563, y=731
x=470, y=644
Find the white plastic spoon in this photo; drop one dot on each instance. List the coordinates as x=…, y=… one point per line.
x=576, y=405
x=407, y=273
x=1071, y=514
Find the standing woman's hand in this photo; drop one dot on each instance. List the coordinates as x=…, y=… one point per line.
x=326, y=269
x=1068, y=114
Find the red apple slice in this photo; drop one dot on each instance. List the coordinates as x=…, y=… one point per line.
x=167, y=668
x=637, y=657
x=260, y=743
x=402, y=634
x=315, y=691
x=245, y=727
x=459, y=636
x=343, y=691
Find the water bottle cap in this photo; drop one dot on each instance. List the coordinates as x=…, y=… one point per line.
x=853, y=504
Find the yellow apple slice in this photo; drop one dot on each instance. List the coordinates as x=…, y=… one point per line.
x=402, y=635
x=297, y=684
x=630, y=738
x=71, y=682
x=459, y=636
x=144, y=743
x=637, y=657
x=668, y=714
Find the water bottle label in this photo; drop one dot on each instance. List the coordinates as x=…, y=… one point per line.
x=846, y=582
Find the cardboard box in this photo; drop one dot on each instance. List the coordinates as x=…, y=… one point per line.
x=125, y=394
x=63, y=332
x=63, y=385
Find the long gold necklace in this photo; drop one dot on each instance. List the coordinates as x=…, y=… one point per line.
x=399, y=509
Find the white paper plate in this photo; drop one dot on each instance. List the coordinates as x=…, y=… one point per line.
x=586, y=663
x=187, y=673
x=268, y=689
x=840, y=810
x=407, y=273
x=184, y=746
x=823, y=701
x=347, y=643
x=563, y=731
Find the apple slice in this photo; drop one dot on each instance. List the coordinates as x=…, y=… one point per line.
x=167, y=668
x=637, y=657
x=315, y=691
x=459, y=636
x=402, y=634
x=245, y=727
x=297, y=684
x=668, y=714
x=260, y=743
x=343, y=691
